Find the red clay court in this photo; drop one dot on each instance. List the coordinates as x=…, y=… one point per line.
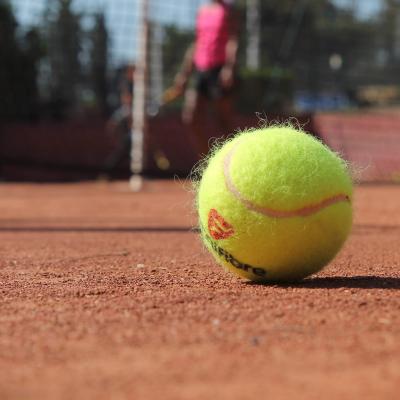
x=108, y=294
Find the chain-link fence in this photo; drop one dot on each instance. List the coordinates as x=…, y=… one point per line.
x=73, y=62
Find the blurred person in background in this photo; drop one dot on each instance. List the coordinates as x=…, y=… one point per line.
x=211, y=60
x=119, y=125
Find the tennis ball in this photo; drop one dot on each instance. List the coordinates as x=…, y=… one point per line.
x=274, y=204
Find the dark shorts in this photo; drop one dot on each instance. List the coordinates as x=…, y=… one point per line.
x=207, y=84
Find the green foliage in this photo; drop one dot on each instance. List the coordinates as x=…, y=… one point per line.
x=99, y=62
x=388, y=22
x=300, y=36
x=265, y=89
x=18, y=68
x=267, y=73
x=64, y=37
x=176, y=42
x=73, y=64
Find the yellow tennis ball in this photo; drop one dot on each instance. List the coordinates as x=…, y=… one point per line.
x=274, y=204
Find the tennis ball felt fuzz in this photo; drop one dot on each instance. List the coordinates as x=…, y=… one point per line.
x=274, y=204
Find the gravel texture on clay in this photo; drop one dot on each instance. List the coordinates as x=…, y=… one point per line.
x=107, y=294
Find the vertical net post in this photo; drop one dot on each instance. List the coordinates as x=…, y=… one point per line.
x=139, y=123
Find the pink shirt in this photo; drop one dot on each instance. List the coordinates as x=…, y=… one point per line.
x=212, y=35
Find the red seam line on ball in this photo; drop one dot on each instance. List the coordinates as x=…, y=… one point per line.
x=301, y=212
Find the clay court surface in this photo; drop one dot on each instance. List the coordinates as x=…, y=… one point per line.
x=106, y=294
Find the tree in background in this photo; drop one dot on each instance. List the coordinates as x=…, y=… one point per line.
x=18, y=68
x=300, y=38
x=32, y=55
x=176, y=42
x=389, y=22
x=329, y=30
x=387, y=57
x=77, y=62
x=9, y=56
x=98, y=37
x=64, y=39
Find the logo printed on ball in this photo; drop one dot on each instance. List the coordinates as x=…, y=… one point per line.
x=217, y=226
x=260, y=272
